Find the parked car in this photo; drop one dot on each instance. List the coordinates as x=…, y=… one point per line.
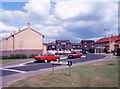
x=47, y=57
x=75, y=55
x=85, y=52
x=117, y=52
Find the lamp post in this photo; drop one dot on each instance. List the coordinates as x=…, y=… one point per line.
x=109, y=40
x=13, y=43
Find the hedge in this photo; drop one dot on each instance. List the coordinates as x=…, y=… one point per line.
x=18, y=56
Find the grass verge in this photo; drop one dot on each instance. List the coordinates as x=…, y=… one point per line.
x=97, y=74
x=5, y=61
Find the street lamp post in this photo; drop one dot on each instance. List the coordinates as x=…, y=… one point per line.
x=13, y=43
x=109, y=40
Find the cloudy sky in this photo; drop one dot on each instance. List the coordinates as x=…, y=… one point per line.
x=72, y=20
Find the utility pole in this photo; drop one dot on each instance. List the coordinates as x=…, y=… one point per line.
x=109, y=40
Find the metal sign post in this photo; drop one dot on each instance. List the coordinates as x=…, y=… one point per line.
x=69, y=63
x=53, y=69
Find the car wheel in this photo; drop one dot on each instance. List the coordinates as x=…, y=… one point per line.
x=46, y=60
x=57, y=59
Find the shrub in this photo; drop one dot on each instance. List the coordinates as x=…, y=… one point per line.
x=17, y=56
x=32, y=55
x=4, y=57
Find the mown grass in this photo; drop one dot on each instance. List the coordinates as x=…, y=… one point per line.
x=5, y=61
x=97, y=74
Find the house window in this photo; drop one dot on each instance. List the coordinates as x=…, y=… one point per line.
x=74, y=46
x=63, y=43
x=53, y=46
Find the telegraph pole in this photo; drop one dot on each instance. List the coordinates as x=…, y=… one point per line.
x=109, y=40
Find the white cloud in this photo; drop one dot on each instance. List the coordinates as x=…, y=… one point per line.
x=71, y=9
x=14, y=16
x=6, y=30
x=49, y=31
x=39, y=8
x=72, y=19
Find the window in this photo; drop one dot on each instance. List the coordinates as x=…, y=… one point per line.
x=74, y=46
x=63, y=43
x=53, y=46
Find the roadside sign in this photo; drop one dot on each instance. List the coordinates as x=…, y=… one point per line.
x=58, y=63
x=68, y=63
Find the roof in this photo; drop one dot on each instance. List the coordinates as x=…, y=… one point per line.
x=117, y=43
x=103, y=40
x=76, y=44
x=60, y=41
x=50, y=44
x=88, y=40
x=20, y=32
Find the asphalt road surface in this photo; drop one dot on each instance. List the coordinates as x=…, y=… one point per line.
x=33, y=66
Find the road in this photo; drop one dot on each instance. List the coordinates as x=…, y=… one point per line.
x=15, y=72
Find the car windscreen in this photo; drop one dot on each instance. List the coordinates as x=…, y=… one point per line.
x=73, y=52
x=49, y=54
x=40, y=54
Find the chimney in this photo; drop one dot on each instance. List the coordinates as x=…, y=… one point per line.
x=14, y=32
x=28, y=25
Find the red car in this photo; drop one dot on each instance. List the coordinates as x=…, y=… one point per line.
x=75, y=55
x=47, y=57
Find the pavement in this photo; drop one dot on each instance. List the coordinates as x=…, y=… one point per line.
x=18, y=68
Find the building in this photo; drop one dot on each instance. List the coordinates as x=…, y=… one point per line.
x=104, y=45
x=26, y=41
x=61, y=45
x=88, y=45
x=76, y=46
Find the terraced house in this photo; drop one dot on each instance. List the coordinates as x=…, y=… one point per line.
x=62, y=45
x=104, y=44
x=26, y=41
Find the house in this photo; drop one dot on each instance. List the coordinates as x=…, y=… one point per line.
x=59, y=45
x=62, y=45
x=26, y=41
x=88, y=45
x=77, y=46
x=104, y=45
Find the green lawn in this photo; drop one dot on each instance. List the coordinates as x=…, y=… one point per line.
x=97, y=74
x=10, y=60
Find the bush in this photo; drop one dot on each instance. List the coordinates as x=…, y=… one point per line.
x=17, y=56
x=32, y=55
x=4, y=57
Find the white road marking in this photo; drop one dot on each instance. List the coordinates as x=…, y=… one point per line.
x=83, y=56
x=14, y=70
x=22, y=64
